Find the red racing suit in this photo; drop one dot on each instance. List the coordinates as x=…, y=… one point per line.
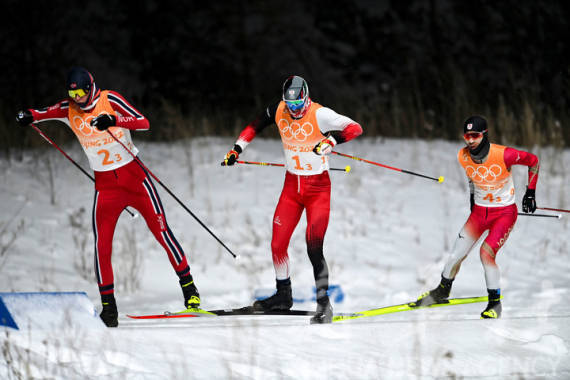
x=495, y=210
x=307, y=185
x=119, y=180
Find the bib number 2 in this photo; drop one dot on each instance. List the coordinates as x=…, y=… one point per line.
x=107, y=157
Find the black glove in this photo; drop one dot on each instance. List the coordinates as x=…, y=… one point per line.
x=104, y=121
x=232, y=156
x=529, y=201
x=472, y=201
x=25, y=117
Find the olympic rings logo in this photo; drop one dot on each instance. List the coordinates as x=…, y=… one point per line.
x=295, y=131
x=484, y=174
x=83, y=126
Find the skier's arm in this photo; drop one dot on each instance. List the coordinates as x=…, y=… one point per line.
x=339, y=127
x=58, y=111
x=127, y=116
x=336, y=128
x=520, y=157
x=267, y=117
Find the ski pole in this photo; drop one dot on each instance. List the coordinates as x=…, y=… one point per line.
x=72, y=160
x=347, y=168
x=541, y=215
x=553, y=209
x=439, y=179
x=143, y=166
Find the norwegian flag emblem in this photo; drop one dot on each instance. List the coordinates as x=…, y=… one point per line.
x=73, y=85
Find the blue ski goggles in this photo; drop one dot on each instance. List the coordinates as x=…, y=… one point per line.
x=295, y=105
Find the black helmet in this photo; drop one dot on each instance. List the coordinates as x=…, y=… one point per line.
x=79, y=78
x=475, y=124
x=296, y=95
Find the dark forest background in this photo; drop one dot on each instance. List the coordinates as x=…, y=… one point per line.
x=413, y=68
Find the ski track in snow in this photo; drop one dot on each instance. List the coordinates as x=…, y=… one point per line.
x=387, y=241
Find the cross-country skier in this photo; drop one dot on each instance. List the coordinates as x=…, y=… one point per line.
x=309, y=132
x=492, y=198
x=119, y=180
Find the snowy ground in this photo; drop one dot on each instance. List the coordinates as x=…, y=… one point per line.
x=387, y=240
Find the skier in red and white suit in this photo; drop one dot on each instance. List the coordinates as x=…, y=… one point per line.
x=119, y=180
x=492, y=197
x=308, y=131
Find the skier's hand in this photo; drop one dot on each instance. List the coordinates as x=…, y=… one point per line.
x=104, y=121
x=325, y=146
x=529, y=201
x=232, y=156
x=25, y=117
x=472, y=201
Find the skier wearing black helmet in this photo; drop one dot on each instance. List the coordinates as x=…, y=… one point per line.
x=119, y=180
x=309, y=132
x=493, y=208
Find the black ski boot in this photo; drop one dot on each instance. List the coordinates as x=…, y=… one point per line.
x=494, y=307
x=191, y=295
x=437, y=295
x=282, y=300
x=324, y=311
x=109, y=315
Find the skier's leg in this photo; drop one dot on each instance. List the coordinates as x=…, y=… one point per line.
x=466, y=238
x=285, y=219
x=287, y=215
x=501, y=227
x=106, y=210
x=146, y=200
x=317, y=203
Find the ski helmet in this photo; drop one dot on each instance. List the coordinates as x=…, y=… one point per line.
x=80, y=79
x=296, y=95
x=477, y=124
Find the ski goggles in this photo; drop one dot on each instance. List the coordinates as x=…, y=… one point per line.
x=473, y=135
x=295, y=105
x=79, y=92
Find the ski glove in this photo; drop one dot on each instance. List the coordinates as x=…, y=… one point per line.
x=325, y=146
x=104, y=121
x=232, y=156
x=529, y=201
x=472, y=201
x=24, y=117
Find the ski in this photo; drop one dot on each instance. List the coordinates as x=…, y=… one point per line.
x=406, y=307
x=247, y=310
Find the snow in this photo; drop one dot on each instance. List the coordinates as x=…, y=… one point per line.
x=387, y=241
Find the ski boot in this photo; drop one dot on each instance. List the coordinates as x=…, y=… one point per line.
x=437, y=295
x=191, y=295
x=109, y=315
x=282, y=300
x=494, y=307
x=324, y=311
